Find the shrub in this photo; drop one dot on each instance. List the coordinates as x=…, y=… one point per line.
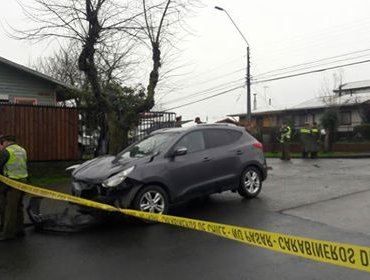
x=362, y=131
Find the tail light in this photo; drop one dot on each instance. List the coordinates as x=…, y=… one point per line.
x=258, y=145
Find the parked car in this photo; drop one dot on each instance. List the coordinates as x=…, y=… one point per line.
x=172, y=165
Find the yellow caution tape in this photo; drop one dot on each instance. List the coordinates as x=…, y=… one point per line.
x=351, y=256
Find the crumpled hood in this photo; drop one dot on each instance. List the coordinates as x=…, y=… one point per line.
x=101, y=168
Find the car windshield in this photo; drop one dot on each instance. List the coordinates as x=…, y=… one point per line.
x=148, y=146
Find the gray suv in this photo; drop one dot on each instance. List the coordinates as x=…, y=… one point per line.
x=173, y=165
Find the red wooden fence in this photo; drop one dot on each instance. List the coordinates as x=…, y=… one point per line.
x=47, y=133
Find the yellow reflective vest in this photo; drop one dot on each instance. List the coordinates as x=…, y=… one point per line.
x=16, y=166
x=285, y=134
x=304, y=130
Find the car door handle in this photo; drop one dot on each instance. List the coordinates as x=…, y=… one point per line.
x=239, y=152
x=206, y=159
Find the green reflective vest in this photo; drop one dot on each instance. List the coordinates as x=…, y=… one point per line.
x=285, y=134
x=304, y=130
x=315, y=133
x=16, y=166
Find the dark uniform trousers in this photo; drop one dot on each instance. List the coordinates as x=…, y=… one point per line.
x=11, y=212
x=285, y=150
x=305, y=137
x=2, y=204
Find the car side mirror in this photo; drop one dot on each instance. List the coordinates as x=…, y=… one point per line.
x=180, y=151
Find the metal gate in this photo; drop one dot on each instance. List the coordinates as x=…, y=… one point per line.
x=151, y=121
x=148, y=122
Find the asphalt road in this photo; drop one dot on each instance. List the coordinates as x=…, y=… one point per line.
x=326, y=199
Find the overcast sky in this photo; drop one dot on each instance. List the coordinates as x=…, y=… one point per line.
x=280, y=34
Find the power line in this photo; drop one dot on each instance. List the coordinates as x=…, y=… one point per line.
x=312, y=62
x=204, y=92
x=272, y=79
x=310, y=72
x=217, y=67
x=219, y=87
x=223, y=85
x=218, y=77
x=209, y=97
x=315, y=66
x=324, y=37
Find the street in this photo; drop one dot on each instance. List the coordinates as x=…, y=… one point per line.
x=326, y=199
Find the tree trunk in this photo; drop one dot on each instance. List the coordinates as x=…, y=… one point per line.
x=154, y=75
x=117, y=135
x=326, y=143
x=86, y=63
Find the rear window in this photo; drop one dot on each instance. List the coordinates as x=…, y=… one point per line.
x=221, y=137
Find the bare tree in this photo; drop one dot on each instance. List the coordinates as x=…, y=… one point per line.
x=62, y=66
x=161, y=19
x=98, y=27
x=328, y=95
x=330, y=118
x=106, y=32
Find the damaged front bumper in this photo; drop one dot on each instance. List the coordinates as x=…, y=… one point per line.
x=120, y=196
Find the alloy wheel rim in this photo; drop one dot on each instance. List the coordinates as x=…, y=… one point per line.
x=252, y=182
x=152, y=202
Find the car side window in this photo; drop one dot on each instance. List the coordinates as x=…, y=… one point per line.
x=221, y=137
x=193, y=141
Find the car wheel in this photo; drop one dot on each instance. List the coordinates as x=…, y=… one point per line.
x=152, y=199
x=250, y=182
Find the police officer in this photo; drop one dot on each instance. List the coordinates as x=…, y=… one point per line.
x=13, y=164
x=315, y=140
x=197, y=120
x=285, y=134
x=305, y=137
x=178, y=122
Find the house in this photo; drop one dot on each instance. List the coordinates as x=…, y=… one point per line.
x=22, y=85
x=351, y=99
x=229, y=121
x=28, y=109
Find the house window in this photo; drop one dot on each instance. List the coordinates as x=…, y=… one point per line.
x=25, y=101
x=302, y=119
x=345, y=118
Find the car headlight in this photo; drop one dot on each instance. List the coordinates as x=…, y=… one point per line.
x=117, y=178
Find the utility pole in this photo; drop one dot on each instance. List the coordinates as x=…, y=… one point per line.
x=249, y=117
x=248, y=78
x=254, y=101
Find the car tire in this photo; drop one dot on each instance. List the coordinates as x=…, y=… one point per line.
x=250, y=182
x=153, y=199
